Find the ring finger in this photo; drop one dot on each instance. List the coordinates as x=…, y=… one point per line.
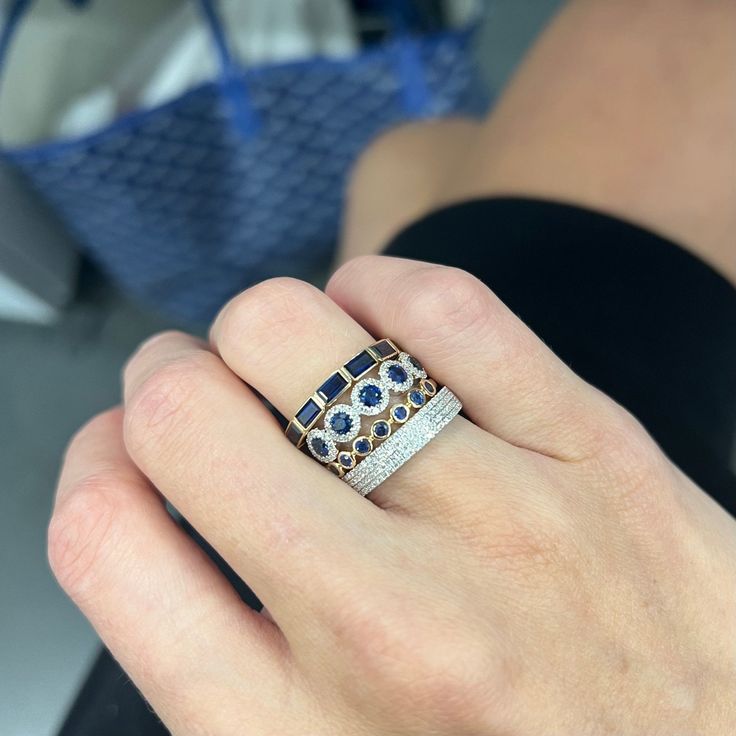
x=285, y=337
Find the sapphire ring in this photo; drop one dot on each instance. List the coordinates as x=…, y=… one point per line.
x=372, y=415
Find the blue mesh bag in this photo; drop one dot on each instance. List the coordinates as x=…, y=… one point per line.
x=241, y=178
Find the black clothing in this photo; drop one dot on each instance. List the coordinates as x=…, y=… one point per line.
x=632, y=313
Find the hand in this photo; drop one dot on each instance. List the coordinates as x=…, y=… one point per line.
x=539, y=568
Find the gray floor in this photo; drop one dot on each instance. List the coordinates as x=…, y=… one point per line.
x=52, y=380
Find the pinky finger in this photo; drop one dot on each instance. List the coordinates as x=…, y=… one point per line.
x=161, y=606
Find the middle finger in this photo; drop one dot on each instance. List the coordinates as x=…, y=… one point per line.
x=285, y=338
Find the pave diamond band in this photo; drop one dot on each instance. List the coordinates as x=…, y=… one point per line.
x=405, y=442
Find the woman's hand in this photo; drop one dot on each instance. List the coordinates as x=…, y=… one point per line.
x=539, y=568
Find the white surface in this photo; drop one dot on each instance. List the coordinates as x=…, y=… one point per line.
x=17, y=303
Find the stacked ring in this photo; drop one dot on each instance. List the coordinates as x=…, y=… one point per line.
x=392, y=390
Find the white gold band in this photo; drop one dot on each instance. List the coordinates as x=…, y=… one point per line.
x=423, y=427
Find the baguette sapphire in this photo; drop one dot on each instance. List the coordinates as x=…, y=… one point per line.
x=308, y=413
x=384, y=348
x=360, y=364
x=333, y=387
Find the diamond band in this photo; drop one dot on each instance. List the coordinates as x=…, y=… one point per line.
x=405, y=442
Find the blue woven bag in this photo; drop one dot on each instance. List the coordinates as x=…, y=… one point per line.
x=242, y=178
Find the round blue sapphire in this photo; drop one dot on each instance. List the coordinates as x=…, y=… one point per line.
x=371, y=395
x=381, y=429
x=320, y=447
x=341, y=423
x=397, y=374
x=362, y=446
x=416, y=398
x=400, y=413
x=346, y=460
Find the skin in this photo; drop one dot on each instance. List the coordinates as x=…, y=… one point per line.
x=539, y=568
x=627, y=107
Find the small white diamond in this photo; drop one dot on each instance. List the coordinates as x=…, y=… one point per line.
x=412, y=368
x=353, y=418
x=405, y=442
x=321, y=436
x=384, y=373
x=374, y=385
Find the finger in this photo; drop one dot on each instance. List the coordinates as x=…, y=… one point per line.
x=160, y=605
x=209, y=444
x=285, y=337
x=511, y=384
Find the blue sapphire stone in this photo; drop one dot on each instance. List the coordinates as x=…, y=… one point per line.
x=341, y=423
x=397, y=374
x=362, y=446
x=370, y=395
x=415, y=362
x=360, y=364
x=320, y=447
x=400, y=413
x=381, y=429
x=384, y=348
x=293, y=434
x=308, y=413
x=416, y=397
x=332, y=387
x=346, y=460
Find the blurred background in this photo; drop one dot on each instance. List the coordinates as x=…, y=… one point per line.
x=155, y=158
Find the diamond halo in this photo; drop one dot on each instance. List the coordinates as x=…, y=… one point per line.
x=333, y=415
x=388, y=372
x=322, y=439
x=370, y=383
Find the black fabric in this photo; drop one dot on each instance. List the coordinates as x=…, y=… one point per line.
x=634, y=314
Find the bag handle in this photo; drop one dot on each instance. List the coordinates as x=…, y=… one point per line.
x=231, y=82
x=408, y=60
x=415, y=92
x=410, y=70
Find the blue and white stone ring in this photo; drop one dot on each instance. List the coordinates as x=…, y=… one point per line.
x=394, y=409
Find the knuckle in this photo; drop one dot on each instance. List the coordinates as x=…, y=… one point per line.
x=269, y=310
x=630, y=468
x=80, y=533
x=144, y=352
x=166, y=399
x=446, y=302
x=97, y=425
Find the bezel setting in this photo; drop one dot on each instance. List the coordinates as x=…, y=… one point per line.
x=323, y=435
x=354, y=416
x=398, y=415
x=360, y=407
x=346, y=460
x=356, y=444
x=416, y=398
x=395, y=386
x=381, y=422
